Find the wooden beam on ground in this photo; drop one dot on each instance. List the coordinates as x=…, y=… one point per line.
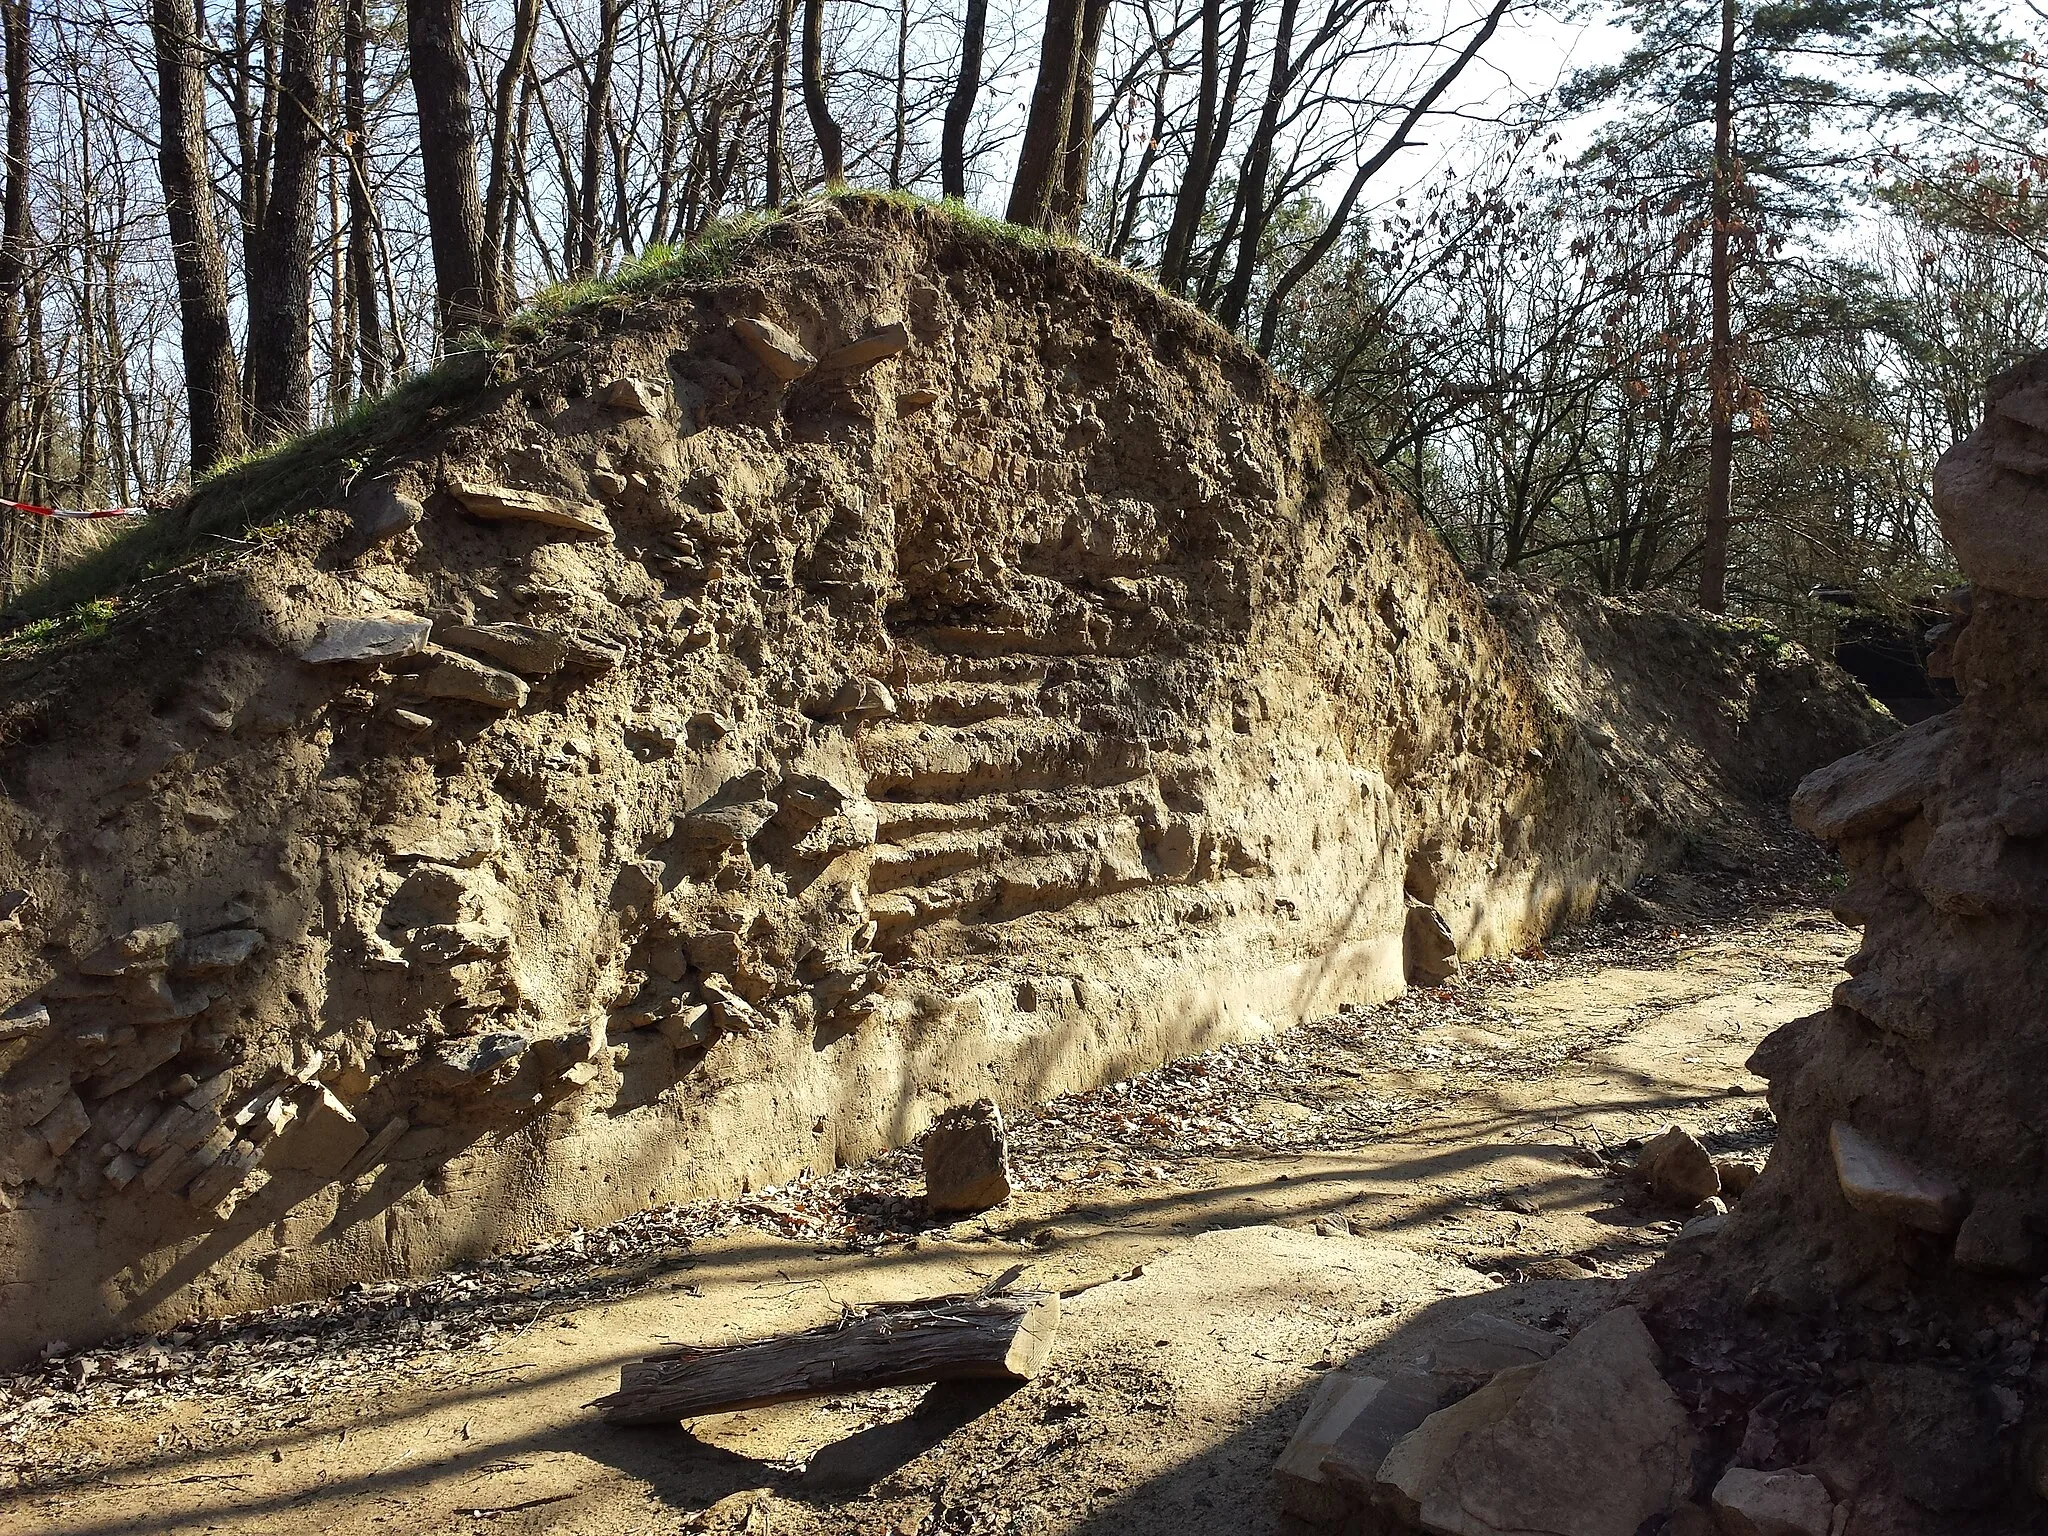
x=1003, y=1338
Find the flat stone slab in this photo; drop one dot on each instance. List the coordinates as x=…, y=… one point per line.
x=1881, y=1183
x=386, y=639
x=1596, y=1443
x=775, y=349
x=451, y=675
x=1304, y=1488
x=872, y=348
x=536, y=652
x=501, y=503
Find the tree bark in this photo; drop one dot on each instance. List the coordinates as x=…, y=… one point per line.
x=505, y=109
x=960, y=107
x=597, y=111
x=994, y=1338
x=778, y=105
x=465, y=294
x=1251, y=192
x=281, y=265
x=1041, y=159
x=831, y=144
x=13, y=238
x=1070, y=201
x=362, y=260
x=1721, y=348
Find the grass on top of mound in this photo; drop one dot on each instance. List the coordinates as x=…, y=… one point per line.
x=255, y=497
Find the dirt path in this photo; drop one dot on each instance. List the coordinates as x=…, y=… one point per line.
x=1259, y=1216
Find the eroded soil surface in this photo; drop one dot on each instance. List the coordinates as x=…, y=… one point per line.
x=1232, y=1226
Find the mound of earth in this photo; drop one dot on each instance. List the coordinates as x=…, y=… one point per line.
x=753, y=717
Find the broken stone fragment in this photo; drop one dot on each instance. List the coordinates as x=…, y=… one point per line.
x=482, y=1057
x=1595, y=1443
x=967, y=1159
x=634, y=397
x=381, y=512
x=1431, y=951
x=1737, y=1175
x=321, y=1143
x=638, y=884
x=355, y=640
x=1305, y=1490
x=1677, y=1170
x=593, y=655
x=911, y=401
x=872, y=348
x=22, y=1029
x=134, y=953
x=734, y=1013
x=226, y=1173
x=776, y=350
x=63, y=1125
x=411, y=720
x=1415, y=1463
x=216, y=954
x=1396, y=1410
x=501, y=503
x=2003, y=1234
x=1480, y=1345
x=1881, y=1183
x=536, y=652
x=373, y=1151
x=1752, y=1503
x=451, y=675
x=136, y=1062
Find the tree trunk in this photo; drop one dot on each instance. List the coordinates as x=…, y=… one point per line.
x=1070, y=201
x=13, y=238
x=362, y=260
x=1251, y=192
x=1041, y=159
x=281, y=265
x=831, y=145
x=1002, y=1338
x=198, y=261
x=1721, y=353
x=960, y=108
x=505, y=109
x=597, y=111
x=900, y=118
x=778, y=105
x=465, y=294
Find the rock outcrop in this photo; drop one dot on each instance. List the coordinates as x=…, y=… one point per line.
x=1898, y=1236
x=671, y=761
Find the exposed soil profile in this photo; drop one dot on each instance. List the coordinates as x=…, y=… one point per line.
x=748, y=720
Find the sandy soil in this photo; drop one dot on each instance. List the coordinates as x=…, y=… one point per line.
x=1243, y=1222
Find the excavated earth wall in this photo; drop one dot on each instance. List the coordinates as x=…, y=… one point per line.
x=753, y=718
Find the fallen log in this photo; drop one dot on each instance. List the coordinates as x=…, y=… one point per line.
x=984, y=1337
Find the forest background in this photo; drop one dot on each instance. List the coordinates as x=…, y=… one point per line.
x=1657, y=294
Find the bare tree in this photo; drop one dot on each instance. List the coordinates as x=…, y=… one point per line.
x=824, y=127
x=280, y=278
x=465, y=293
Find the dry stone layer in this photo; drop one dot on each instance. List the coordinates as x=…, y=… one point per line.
x=670, y=762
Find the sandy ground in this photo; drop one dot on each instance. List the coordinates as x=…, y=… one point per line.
x=1243, y=1222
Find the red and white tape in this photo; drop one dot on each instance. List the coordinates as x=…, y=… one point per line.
x=35, y=511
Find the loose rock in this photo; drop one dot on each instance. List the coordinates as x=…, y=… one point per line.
x=1595, y=1444
x=967, y=1159
x=1752, y=1503
x=778, y=351
x=1677, y=1170
x=386, y=639
x=504, y=504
